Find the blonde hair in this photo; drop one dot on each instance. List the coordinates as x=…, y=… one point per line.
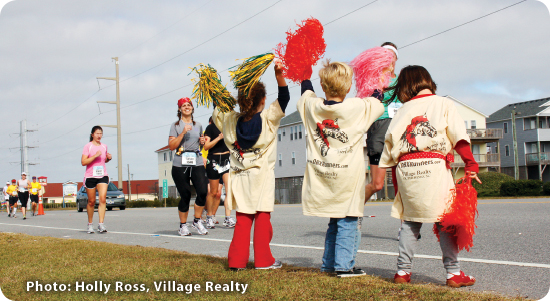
x=336, y=78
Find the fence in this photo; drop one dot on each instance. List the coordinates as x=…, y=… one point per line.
x=288, y=190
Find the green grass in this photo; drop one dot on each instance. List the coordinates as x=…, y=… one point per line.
x=48, y=260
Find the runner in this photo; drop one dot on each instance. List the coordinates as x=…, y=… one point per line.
x=6, y=198
x=14, y=196
x=36, y=191
x=335, y=174
x=94, y=157
x=188, y=166
x=24, y=185
x=217, y=168
x=251, y=137
x=419, y=143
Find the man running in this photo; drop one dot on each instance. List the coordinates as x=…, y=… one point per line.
x=36, y=191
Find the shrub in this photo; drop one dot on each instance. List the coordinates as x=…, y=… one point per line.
x=546, y=188
x=491, y=183
x=521, y=188
x=170, y=202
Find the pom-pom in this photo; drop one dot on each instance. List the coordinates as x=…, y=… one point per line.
x=372, y=70
x=304, y=48
x=459, y=218
x=249, y=72
x=209, y=89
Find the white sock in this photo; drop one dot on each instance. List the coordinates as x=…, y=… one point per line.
x=450, y=275
x=402, y=273
x=14, y=210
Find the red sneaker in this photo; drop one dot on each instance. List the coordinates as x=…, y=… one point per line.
x=402, y=279
x=461, y=280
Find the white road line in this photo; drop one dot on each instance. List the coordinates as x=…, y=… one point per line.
x=487, y=261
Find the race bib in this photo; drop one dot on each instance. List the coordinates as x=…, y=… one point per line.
x=34, y=190
x=98, y=171
x=14, y=193
x=392, y=108
x=221, y=169
x=188, y=159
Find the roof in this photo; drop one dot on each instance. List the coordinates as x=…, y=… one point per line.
x=469, y=107
x=291, y=119
x=161, y=149
x=526, y=108
x=145, y=186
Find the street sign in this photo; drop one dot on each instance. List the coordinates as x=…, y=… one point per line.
x=164, y=188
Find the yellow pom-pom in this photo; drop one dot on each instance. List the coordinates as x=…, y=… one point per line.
x=209, y=89
x=250, y=71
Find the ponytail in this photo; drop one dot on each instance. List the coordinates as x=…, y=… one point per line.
x=249, y=105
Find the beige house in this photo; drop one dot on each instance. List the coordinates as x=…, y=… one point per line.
x=165, y=156
x=475, y=123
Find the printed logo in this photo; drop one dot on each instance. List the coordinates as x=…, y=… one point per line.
x=238, y=152
x=420, y=126
x=329, y=129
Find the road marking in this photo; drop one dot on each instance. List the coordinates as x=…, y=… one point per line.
x=487, y=261
x=543, y=202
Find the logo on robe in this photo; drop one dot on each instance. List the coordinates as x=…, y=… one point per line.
x=329, y=129
x=420, y=126
x=238, y=152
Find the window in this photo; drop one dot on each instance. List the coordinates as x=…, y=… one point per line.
x=279, y=134
x=291, y=132
x=165, y=173
x=300, y=128
x=280, y=159
x=293, y=158
x=505, y=127
x=507, y=150
x=164, y=156
x=283, y=132
x=475, y=149
x=529, y=123
x=295, y=132
x=496, y=149
x=473, y=124
x=170, y=155
x=542, y=148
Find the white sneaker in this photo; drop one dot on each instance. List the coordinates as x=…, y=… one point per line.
x=229, y=222
x=215, y=220
x=203, y=215
x=199, y=227
x=276, y=265
x=210, y=224
x=90, y=229
x=101, y=228
x=184, y=230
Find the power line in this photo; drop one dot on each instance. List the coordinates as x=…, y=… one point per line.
x=351, y=12
x=496, y=11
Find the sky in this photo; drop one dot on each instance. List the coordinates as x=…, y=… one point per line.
x=51, y=52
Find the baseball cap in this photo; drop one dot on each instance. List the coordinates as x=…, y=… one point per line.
x=8, y=182
x=23, y=173
x=34, y=177
x=14, y=180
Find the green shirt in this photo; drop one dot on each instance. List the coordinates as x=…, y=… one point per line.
x=395, y=103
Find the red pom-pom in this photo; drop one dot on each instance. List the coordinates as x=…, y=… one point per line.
x=459, y=218
x=304, y=48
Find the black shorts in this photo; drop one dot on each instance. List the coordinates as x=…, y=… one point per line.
x=13, y=200
x=34, y=198
x=24, y=198
x=215, y=164
x=376, y=136
x=375, y=159
x=91, y=183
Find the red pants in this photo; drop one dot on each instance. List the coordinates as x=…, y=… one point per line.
x=239, y=250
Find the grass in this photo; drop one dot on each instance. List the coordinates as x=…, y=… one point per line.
x=67, y=261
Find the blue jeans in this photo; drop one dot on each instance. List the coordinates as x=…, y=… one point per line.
x=341, y=244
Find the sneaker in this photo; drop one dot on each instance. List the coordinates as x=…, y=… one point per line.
x=14, y=216
x=90, y=229
x=199, y=227
x=101, y=228
x=276, y=265
x=229, y=222
x=215, y=220
x=203, y=215
x=353, y=273
x=9, y=214
x=402, y=278
x=210, y=223
x=184, y=230
x=24, y=217
x=460, y=280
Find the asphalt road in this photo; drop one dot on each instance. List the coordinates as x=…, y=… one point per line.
x=510, y=254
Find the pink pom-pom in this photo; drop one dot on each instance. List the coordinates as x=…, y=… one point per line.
x=304, y=48
x=372, y=70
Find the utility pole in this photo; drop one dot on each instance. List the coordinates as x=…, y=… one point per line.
x=129, y=185
x=24, y=147
x=515, y=145
x=117, y=126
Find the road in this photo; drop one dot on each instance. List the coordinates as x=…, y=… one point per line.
x=510, y=253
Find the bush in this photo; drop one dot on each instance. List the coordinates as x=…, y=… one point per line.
x=521, y=188
x=491, y=183
x=170, y=202
x=546, y=188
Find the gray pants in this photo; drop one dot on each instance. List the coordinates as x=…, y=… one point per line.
x=409, y=239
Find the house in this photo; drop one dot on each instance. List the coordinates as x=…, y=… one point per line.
x=142, y=189
x=164, y=159
x=481, y=139
x=532, y=138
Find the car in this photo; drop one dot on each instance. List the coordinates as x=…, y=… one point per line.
x=115, y=198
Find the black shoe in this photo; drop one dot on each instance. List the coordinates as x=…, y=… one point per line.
x=353, y=273
x=24, y=217
x=9, y=214
x=237, y=269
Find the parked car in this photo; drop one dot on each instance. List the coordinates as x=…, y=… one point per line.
x=115, y=198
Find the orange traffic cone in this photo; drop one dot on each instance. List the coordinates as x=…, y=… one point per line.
x=40, y=207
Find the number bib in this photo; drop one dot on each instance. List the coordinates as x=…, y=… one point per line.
x=98, y=171
x=189, y=159
x=220, y=169
x=34, y=190
x=14, y=193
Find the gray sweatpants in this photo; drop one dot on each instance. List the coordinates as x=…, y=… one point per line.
x=409, y=239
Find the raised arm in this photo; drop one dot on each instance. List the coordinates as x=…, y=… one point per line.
x=284, y=94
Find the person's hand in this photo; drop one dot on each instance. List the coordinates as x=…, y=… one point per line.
x=220, y=136
x=187, y=128
x=97, y=154
x=473, y=175
x=109, y=156
x=201, y=140
x=278, y=68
